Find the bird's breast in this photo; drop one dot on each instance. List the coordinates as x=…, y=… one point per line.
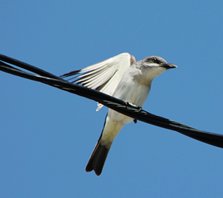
x=131, y=92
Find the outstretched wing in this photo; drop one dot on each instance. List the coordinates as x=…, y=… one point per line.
x=104, y=76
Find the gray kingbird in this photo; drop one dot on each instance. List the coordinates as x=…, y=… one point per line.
x=124, y=78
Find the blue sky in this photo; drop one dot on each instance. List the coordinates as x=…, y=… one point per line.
x=47, y=135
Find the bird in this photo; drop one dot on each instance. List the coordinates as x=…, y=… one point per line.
x=122, y=77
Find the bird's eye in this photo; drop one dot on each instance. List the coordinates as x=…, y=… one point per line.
x=153, y=60
x=156, y=60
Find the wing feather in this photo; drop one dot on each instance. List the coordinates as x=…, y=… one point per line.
x=104, y=76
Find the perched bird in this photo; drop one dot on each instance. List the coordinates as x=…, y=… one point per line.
x=121, y=77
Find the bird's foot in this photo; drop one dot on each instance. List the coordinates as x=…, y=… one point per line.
x=137, y=108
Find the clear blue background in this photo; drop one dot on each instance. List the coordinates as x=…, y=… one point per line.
x=47, y=135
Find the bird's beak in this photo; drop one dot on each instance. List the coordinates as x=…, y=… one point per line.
x=168, y=66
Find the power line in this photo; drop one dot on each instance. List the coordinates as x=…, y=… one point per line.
x=24, y=70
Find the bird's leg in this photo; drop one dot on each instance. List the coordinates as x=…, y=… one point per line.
x=137, y=108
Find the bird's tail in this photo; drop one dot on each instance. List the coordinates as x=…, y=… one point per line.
x=97, y=159
x=99, y=155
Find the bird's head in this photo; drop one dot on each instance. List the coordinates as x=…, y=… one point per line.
x=155, y=65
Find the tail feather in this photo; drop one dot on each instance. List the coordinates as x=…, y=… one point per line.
x=97, y=159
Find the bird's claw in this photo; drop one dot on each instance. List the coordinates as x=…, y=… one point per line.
x=138, y=109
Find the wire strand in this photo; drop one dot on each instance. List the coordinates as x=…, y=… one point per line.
x=9, y=65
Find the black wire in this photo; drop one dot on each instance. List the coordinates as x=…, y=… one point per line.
x=26, y=66
x=111, y=102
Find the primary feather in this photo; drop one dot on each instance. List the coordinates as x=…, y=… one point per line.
x=103, y=76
